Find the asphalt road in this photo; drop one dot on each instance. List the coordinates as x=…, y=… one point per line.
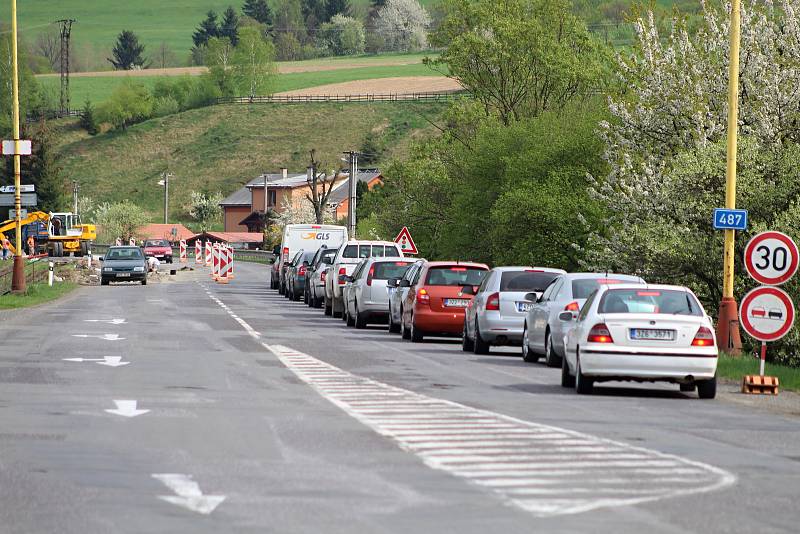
x=254, y=414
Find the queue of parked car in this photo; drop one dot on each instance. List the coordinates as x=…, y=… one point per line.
x=595, y=326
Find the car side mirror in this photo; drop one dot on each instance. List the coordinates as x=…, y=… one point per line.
x=392, y=282
x=531, y=297
x=405, y=282
x=276, y=250
x=101, y=258
x=347, y=278
x=305, y=263
x=468, y=290
x=566, y=316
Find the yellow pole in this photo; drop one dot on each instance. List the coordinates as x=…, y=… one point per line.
x=728, y=327
x=18, y=275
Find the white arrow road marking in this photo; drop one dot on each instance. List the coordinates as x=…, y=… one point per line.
x=126, y=408
x=107, y=337
x=188, y=493
x=110, y=361
x=107, y=321
x=539, y=468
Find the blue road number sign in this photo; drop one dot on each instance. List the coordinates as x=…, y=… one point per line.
x=725, y=219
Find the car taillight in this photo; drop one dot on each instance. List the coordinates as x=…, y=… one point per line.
x=703, y=338
x=493, y=302
x=322, y=277
x=342, y=274
x=302, y=270
x=572, y=306
x=600, y=334
x=370, y=274
x=423, y=297
x=285, y=252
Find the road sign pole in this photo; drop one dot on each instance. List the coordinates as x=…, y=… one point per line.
x=763, y=357
x=728, y=325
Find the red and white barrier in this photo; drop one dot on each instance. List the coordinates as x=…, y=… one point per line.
x=183, y=253
x=198, y=252
x=222, y=278
x=230, y=262
x=215, y=261
x=132, y=242
x=208, y=254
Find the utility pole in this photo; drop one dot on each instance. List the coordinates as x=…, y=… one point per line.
x=18, y=284
x=75, y=188
x=266, y=200
x=351, y=186
x=728, y=335
x=165, y=182
x=66, y=30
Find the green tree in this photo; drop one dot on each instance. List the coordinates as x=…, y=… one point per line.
x=258, y=10
x=121, y=219
x=336, y=7
x=519, y=57
x=130, y=102
x=205, y=209
x=128, y=52
x=342, y=36
x=31, y=97
x=209, y=28
x=254, y=63
x=42, y=169
x=219, y=59
x=87, y=120
x=230, y=25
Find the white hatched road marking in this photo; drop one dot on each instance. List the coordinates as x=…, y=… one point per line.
x=542, y=469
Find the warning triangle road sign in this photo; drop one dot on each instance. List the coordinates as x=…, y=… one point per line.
x=406, y=243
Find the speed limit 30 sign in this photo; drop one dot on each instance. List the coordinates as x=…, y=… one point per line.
x=771, y=258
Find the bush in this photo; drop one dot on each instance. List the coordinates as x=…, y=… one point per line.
x=342, y=36
x=87, y=121
x=131, y=102
x=287, y=47
x=165, y=105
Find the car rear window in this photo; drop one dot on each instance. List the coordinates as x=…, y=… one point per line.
x=390, y=269
x=327, y=256
x=526, y=280
x=456, y=275
x=583, y=287
x=156, y=243
x=370, y=251
x=644, y=300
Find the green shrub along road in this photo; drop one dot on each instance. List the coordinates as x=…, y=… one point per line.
x=37, y=293
x=737, y=367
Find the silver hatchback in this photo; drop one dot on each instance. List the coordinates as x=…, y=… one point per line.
x=496, y=315
x=543, y=332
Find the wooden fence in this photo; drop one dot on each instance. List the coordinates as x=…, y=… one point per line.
x=303, y=99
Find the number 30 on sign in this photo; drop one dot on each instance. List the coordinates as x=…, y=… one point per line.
x=771, y=258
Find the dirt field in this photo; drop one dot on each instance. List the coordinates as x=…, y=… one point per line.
x=384, y=86
x=288, y=68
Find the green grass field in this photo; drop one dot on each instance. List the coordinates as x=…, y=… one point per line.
x=38, y=293
x=99, y=88
x=154, y=21
x=219, y=148
x=736, y=368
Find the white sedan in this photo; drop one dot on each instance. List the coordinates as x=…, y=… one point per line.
x=641, y=333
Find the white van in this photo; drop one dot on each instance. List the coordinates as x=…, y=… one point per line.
x=309, y=238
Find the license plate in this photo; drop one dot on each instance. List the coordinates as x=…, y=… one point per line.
x=456, y=303
x=159, y=255
x=123, y=275
x=653, y=333
x=524, y=307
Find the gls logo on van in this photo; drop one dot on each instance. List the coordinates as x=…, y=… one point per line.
x=318, y=236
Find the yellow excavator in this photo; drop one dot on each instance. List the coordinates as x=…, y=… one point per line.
x=57, y=234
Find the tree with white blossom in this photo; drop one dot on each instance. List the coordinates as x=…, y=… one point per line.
x=403, y=24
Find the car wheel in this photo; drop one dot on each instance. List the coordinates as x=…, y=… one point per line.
x=467, y=345
x=527, y=354
x=416, y=334
x=350, y=320
x=328, y=309
x=337, y=314
x=567, y=380
x=104, y=281
x=405, y=333
x=583, y=384
x=318, y=301
x=361, y=319
x=479, y=345
x=707, y=389
x=280, y=288
x=688, y=388
x=144, y=281
x=296, y=296
x=550, y=357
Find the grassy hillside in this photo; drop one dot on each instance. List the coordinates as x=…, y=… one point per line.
x=99, y=88
x=222, y=147
x=154, y=21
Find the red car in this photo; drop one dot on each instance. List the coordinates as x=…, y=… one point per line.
x=158, y=248
x=434, y=304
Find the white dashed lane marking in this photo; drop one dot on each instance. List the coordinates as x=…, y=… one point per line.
x=540, y=468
